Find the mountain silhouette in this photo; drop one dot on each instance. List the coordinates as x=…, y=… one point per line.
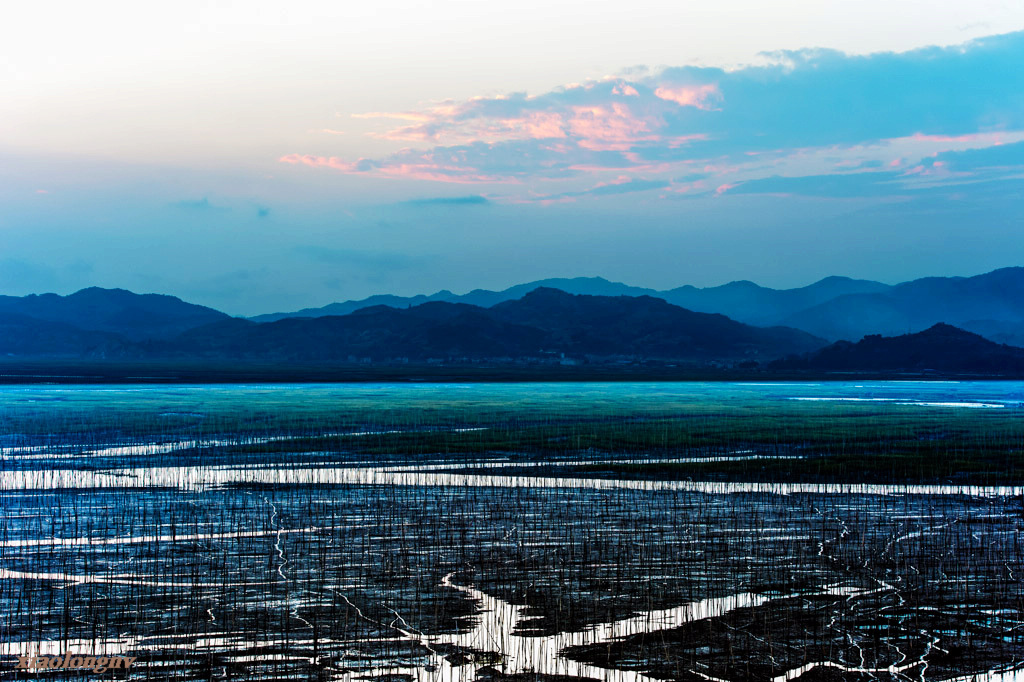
x=991, y=304
x=743, y=301
x=596, y=286
x=644, y=325
x=834, y=308
x=545, y=322
x=940, y=348
x=982, y=321
x=133, y=316
x=754, y=304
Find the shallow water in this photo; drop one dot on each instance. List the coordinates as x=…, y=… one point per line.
x=353, y=531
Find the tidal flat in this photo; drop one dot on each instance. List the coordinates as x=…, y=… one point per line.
x=497, y=532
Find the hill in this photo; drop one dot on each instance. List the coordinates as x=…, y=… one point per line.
x=743, y=301
x=485, y=298
x=940, y=348
x=644, y=325
x=834, y=308
x=754, y=304
x=135, y=317
x=543, y=323
x=991, y=304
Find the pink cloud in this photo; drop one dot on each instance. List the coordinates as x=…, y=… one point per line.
x=625, y=89
x=420, y=133
x=541, y=125
x=968, y=137
x=399, y=115
x=419, y=169
x=700, y=96
x=687, y=187
x=321, y=162
x=609, y=128
x=459, y=127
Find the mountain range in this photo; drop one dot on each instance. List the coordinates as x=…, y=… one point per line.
x=743, y=301
x=544, y=323
x=580, y=319
x=834, y=308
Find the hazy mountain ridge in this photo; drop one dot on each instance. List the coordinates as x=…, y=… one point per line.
x=595, y=286
x=991, y=304
x=751, y=303
x=742, y=300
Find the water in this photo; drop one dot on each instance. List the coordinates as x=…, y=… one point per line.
x=621, y=532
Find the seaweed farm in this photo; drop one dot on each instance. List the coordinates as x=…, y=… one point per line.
x=624, y=532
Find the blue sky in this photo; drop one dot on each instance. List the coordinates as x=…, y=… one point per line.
x=255, y=158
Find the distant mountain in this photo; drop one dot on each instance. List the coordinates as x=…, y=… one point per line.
x=940, y=348
x=587, y=286
x=991, y=304
x=754, y=304
x=595, y=286
x=133, y=316
x=743, y=301
x=590, y=317
x=833, y=308
x=544, y=322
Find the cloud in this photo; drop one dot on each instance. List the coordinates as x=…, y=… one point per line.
x=985, y=170
x=996, y=157
x=471, y=200
x=19, y=276
x=701, y=96
x=861, y=184
x=825, y=110
x=199, y=205
x=621, y=185
x=356, y=257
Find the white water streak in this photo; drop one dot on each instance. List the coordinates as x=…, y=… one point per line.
x=205, y=478
x=139, y=539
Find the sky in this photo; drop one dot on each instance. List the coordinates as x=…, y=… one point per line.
x=263, y=156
